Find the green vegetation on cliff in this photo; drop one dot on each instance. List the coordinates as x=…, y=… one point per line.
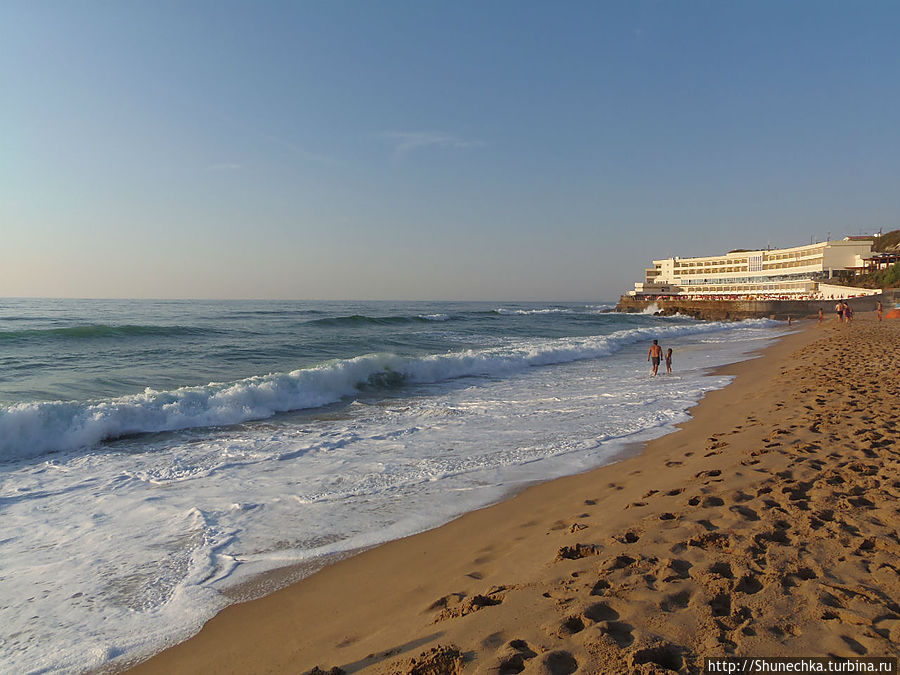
x=888, y=242
x=889, y=278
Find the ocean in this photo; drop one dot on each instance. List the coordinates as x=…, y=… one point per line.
x=157, y=457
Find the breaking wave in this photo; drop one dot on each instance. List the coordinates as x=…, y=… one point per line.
x=31, y=429
x=524, y=312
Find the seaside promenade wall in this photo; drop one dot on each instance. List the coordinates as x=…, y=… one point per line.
x=718, y=310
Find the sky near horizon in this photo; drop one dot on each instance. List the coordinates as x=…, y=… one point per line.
x=423, y=150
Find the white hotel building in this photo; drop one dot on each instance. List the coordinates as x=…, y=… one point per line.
x=798, y=272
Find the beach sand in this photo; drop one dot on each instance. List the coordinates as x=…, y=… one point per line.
x=766, y=526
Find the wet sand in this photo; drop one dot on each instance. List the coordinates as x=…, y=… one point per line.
x=767, y=526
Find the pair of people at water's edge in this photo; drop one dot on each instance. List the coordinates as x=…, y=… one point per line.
x=655, y=355
x=844, y=311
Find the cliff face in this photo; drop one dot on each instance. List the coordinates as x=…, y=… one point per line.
x=735, y=310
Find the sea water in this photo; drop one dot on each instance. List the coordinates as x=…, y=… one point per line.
x=157, y=455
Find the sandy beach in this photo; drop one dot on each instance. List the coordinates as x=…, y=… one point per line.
x=767, y=526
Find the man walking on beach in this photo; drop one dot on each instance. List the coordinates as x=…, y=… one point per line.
x=880, y=309
x=654, y=355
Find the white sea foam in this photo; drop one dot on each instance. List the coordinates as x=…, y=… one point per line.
x=112, y=554
x=31, y=429
x=529, y=312
x=435, y=317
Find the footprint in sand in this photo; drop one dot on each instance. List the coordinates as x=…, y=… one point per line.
x=513, y=657
x=675, y=601
x=446, y=601
x=745, y=512
x=722, y=569
x=577, y=552
x=630, y=537
x=620, y=632
x=666, y=656
x=748, y=584
x=721, y=605
x=570, y=626
x=675, y=570
x=617, y=563
x=494, y=596
x=600, y=611
x=559, y=663
x=600, y=587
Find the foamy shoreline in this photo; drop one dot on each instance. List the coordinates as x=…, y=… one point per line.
x=673, y=554
x=164, y=527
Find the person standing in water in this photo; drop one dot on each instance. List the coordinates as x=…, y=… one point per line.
x=669, y=361
x=654, y=355
x=821, y=316
x=879, y=309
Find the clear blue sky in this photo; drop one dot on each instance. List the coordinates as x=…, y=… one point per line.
x=435, y=150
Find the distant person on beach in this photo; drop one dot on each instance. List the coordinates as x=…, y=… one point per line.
x=848, y=312
x=839, y=310
x=654, y=355
x=669, y=360
x=821, y=316
x=879, y=310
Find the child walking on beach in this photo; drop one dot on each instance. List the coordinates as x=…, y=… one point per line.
x=669, y=360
